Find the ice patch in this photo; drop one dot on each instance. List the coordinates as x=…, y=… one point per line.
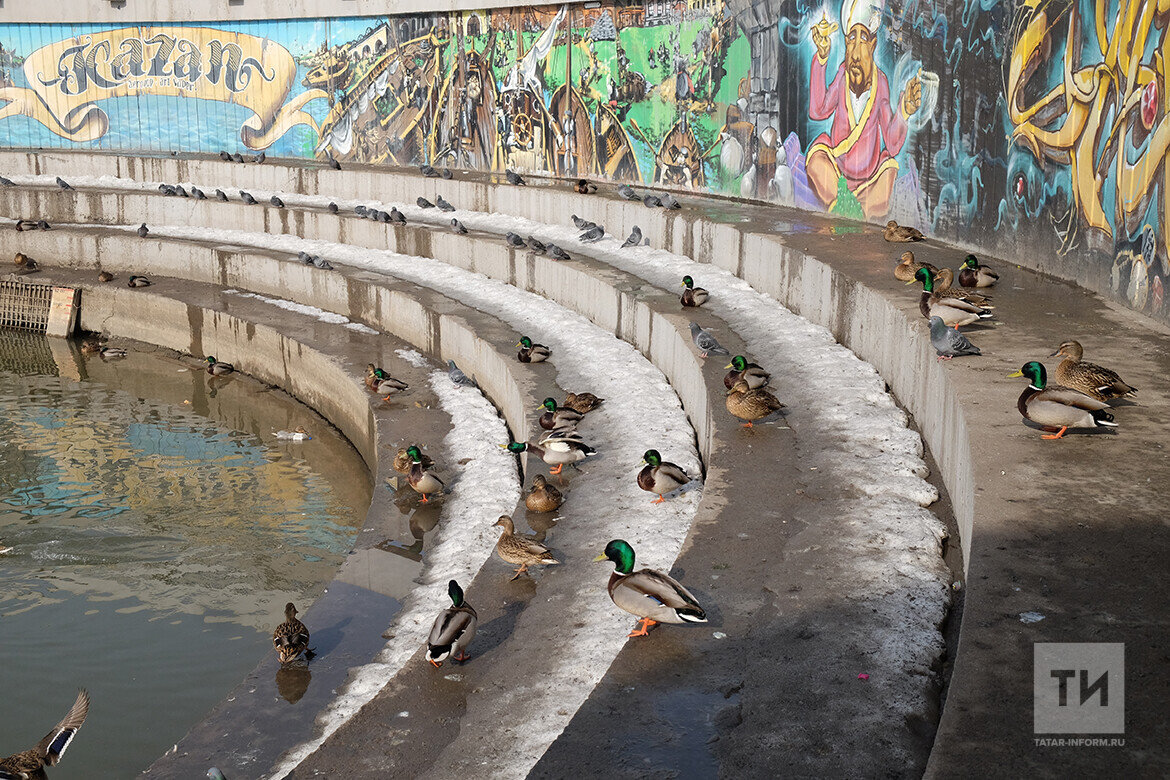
x=309, y=311
x=412, y=356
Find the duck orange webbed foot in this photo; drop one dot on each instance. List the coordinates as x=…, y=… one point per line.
x=659, y=500
x=557, y=470
x=464, y=658
x=1059, y=434
x=643, y=628
x=436, y=664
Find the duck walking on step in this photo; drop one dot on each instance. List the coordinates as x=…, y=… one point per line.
x=30, y=764
x=650, y=595
x=519, y=550
x=1055, y=408
x=291, y=638
x=453, y=629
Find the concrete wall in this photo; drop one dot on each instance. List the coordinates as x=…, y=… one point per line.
x=960, y=139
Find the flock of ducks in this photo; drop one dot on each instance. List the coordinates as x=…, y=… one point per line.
x=1083, y=393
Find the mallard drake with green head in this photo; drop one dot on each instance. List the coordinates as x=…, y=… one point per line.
x=558, y=418
x=660, y=476
x=651, y=595
x=420, y=476
x=944, y=286
x=693, y=296
x=520, y=551
x=973, y=274
x=403, y=461
x=30, y=764
x=291, y=638
x=1092, y=380
x=904, y=271
x=531, y=352
x=900, y=234
x=217, y=368
x=453, y=629
x=584, y=403
x=753, y=374
x=952, y=311
x=751, y=405
x=1056, y=408
x=556, y=450
x=543, y=497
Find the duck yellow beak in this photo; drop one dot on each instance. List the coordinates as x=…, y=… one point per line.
x=1018, y=373
x=729, y=365
x=912, y=281
x=519, y=344
x=600, y=558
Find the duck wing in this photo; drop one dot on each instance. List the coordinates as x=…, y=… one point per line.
x=451, y=624
x=53, y=746
x=657, y=595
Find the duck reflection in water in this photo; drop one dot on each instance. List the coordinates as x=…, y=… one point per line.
x=292, y=680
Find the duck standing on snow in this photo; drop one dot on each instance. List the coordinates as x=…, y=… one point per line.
x=556, y=450
x=650, y=595
x=693, y=296
x=583, y=402
x=519, y=550
x=291, y=638
x=660, y=476
x=1055, y=408
x=453, y=629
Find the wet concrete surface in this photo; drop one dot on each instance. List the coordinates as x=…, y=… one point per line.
x=1073, y=529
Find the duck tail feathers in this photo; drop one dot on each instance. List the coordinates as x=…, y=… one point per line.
x=692, y=614
x=1103, y=419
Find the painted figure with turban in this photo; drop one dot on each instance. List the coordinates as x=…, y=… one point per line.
x=867, y=131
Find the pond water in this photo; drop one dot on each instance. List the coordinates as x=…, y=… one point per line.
x=158, y=526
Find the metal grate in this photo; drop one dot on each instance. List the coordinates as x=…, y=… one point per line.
x=26, y=353
x=25, y=306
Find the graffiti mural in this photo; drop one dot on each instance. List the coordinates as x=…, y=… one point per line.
x=1020, y=125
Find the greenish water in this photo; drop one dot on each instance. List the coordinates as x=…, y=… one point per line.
x=158, y=526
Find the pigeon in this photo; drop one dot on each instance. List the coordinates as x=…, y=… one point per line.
x=669, y=202
x=332, y=208
x=428, y=171
x=443, y=205
x=225, y=156
x=215, y=774
x=63, y=184
x=322, y=263
x=514, y=178
x=138, y=281
x=198, y=193
x=142, y=230
x=457, y=226
x=181, y=192
x=592, y=235
x=446, y=174
x=43, y=225
x=332, y=161
x=627, y=192
x=305, y=257
x=948, y=342
x=7, y=182
x=360, y=210
x=166, y=189
x=557, y=253
x=458, y=377
x=706, y=343
x=652, y=202
x=238, y=157
x=247, y=198
x=582, y=224
x=396, y=216
x=25, y=224
x=275, y=201
x=535, y=245
x=260, y=158
x=423, y=203
x=221, y=195
x=635, y=238
x=383, y=217
x=515, y=240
